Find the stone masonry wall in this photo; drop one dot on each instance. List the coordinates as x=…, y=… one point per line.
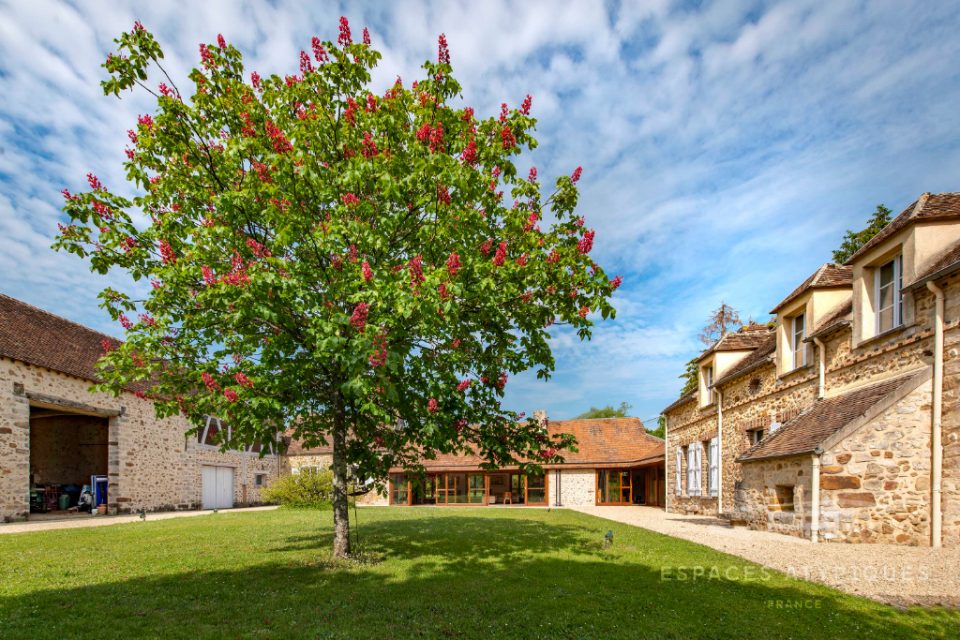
x=152, y=464
x=875, y=484
x=774, y=495
x=686, y=424
x=577, y=487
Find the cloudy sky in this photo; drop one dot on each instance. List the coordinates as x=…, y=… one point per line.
x=725, y=146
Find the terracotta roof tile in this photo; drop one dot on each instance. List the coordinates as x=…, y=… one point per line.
x=748, y=337
x=809, y=429
x=37, y=337
x=827, y=276
x=601, y=442
x=929, y=206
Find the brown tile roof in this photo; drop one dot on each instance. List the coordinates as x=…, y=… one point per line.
x=929, y=206
x=746, y=338
x=946, y=263
x=297, y=448
x=827, y=276
x=808, y=430
x=602, y=442
x=37, y=337
x=760, y=356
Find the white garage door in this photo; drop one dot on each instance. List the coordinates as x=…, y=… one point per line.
x=217, y=487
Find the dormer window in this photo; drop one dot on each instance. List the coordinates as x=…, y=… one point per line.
x=797, y=334
x=888, y=283
x=706, y=393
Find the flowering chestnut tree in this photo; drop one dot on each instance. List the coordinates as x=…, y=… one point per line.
x=366, y=269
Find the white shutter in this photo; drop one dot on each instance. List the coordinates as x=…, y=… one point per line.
x=714, y=457
x=679, y=488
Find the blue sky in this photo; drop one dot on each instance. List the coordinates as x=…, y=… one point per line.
x=725, y=146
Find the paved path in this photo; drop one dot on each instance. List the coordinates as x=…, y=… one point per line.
x=84, y=521
x=890, y=573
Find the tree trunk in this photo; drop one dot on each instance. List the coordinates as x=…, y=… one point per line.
x=341, y=506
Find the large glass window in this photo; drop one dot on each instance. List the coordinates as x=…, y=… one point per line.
x=537, y=489
x=517, y=489
x=399, y=491
x=798, y=334
x=888, y=297
x=477, y=488
x=614, y=486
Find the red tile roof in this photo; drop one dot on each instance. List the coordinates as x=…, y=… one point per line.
x=804, y=433
x=602, y=442
x=37, y=337
x=929, y=206
x=826, y=277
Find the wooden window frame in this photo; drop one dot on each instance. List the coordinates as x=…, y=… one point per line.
x=596, y=487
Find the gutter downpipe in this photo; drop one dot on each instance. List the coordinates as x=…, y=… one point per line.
x=666, y=459
x=821, y=349
x=936, y=445
x=815, y=498
x=719, y=452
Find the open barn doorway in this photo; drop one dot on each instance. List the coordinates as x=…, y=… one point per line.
x=69, y=458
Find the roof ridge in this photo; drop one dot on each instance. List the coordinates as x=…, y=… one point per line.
x=59, y=318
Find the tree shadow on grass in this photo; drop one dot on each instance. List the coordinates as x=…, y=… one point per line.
x=466, y=576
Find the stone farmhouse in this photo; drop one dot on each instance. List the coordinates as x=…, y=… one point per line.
x=839, y=420
x=55, y=435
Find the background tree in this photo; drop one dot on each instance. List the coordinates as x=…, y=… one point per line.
x=661, y=430
x=853, y=240
x=690, y=376
x=722, y=320
x=336, y=261
x=608, y=411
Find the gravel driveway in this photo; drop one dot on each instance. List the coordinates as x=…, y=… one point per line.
x=86, y=521
x=893, y=574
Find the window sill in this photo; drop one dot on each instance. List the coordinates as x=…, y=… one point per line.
x=879, y=337
x=794, y=371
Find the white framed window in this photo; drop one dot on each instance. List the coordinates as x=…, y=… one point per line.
x=707, y=374
x=756, y=435
x=713, y=460
x=679, y=488
x=888, y=281
x=693, y=469
x=797, y=334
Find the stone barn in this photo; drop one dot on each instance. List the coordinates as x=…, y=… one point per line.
x=57, y=437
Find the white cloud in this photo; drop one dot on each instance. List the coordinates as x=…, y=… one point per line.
x=725, y=146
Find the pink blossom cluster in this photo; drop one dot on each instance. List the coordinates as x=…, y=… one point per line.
x=501, y=255
x=280, y=142
x=243, y=380
x=464, y=385
x=415, y=269
x=319, y=53
x=453, y=264
x=358, y=320
x=525, y=107
x=345, y=37
x=166, y=253
x=379, y=356
x=209, y=381
x=350, y=199
x=586, y=242
x=366, y=271
x=432, y=405
x=443, y=51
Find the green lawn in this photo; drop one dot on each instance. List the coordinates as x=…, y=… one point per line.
x=440, y=572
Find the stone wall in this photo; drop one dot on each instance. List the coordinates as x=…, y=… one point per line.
x=577, y=487
x=775, y=495
x=686, y=424
x=321, y=460
x=875, y=483
x=151, y=464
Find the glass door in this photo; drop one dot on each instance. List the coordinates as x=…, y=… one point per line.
x=478, y=488
x=399, y=489
x=536, y=489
